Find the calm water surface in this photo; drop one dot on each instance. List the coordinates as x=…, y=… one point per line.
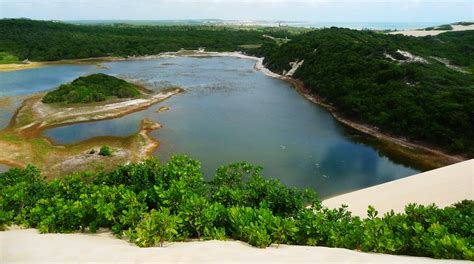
x=229, y=113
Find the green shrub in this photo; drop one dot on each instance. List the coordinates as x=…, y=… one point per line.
x=105, y=151
x=155, y=228
x=150, y=203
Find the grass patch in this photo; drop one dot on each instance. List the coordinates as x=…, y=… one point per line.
x=10, y=137
x=7, y=58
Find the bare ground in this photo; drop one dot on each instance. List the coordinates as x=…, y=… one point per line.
x=22, y=141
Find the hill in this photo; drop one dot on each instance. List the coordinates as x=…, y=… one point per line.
x=419, y=88
x=93, y=88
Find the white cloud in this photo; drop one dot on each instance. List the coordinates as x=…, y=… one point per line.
x=302, y=10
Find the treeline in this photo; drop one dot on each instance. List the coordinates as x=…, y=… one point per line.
x=149, y=203
x=47, y=41
x=369, y=78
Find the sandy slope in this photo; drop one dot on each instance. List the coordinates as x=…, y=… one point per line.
x=443, y=186
x=27, y=246
x=422, y=33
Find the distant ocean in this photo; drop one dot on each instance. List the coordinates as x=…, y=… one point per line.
x=369, y=25
x=352, y=25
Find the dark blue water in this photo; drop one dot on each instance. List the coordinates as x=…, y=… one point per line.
x=231, y=112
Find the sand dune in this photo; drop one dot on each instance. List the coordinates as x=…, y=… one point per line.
x=423, y=33
x=443, y=186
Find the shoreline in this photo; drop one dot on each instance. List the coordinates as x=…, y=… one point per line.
x=23, y=143
x=48, y=117
x=429, y=156
x=439, y=158
x=38, y=64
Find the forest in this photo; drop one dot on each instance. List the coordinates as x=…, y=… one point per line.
x=92, y=88
x=419, y=88
x=49, y=41
x=373, y=78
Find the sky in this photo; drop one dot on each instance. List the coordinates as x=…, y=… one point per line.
x=287, y=10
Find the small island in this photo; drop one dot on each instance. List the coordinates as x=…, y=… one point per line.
x=88, y=98
x=92, y=88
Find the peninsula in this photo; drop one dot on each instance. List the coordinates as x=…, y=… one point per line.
x=86, y=99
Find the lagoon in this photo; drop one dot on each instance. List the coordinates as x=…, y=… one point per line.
x=230, y=112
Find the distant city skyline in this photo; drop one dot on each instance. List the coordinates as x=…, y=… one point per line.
x=271, y=10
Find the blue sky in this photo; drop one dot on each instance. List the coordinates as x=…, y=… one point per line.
x=290, y=10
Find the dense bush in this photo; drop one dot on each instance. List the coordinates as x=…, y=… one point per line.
x=355, y=71
x=26, y=39
x=92, y=88
x=150, y=203
x=105, y=151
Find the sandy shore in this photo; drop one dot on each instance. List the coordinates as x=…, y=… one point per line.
x=38, y=64
x=45, y=115
x=423, y=33
x=28, y=246
x=444, y=186
x=20, y=66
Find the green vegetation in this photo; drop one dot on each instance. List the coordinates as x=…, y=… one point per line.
x=149, y=203
x=105, y=151
x=363, y=74
x=6, y=58
x=442, y=27
x=25, y=38
x=93, y=88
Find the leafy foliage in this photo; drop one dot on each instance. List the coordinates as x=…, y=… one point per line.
x=26, y=39
x=6, y=58
x=93, y=88
x=150, y=203
x=369, y=77
x=105, y=151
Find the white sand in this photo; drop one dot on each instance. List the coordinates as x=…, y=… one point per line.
x=423, y=33
x=46, y=114
x=444, y=186
x=27, y=246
